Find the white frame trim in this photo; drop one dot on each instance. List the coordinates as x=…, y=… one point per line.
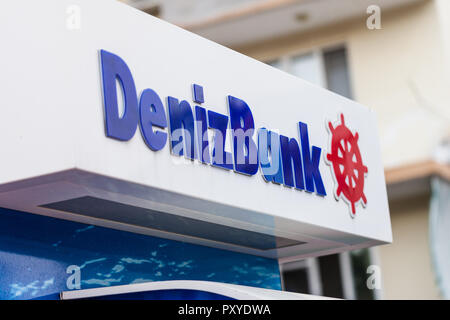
x=348, y=285
x=229, y=290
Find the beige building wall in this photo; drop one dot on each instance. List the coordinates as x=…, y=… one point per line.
x=399, y=72
x=406, y=264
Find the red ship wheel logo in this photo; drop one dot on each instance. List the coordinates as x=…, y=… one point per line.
x=346, y=164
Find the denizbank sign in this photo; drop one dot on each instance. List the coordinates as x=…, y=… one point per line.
x=132, y=123
x=283, y=160
x=189, y=135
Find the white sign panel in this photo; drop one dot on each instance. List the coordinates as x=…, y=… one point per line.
x=113, y=117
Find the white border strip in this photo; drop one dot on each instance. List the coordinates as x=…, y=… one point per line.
x=229, y=290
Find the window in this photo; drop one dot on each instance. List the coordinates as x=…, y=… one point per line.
x=339, y=275
x=328, y=69
x=308, y=67
x=337, y=74
x=302, y=276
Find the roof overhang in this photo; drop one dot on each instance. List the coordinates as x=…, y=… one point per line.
x=414, y=179
x=270, y=19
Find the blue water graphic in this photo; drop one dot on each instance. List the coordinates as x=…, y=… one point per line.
x=35, y=252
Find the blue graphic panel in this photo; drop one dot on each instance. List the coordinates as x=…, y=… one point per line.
x=36, y=251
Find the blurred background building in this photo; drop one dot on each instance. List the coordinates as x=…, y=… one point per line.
x=402, y=71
